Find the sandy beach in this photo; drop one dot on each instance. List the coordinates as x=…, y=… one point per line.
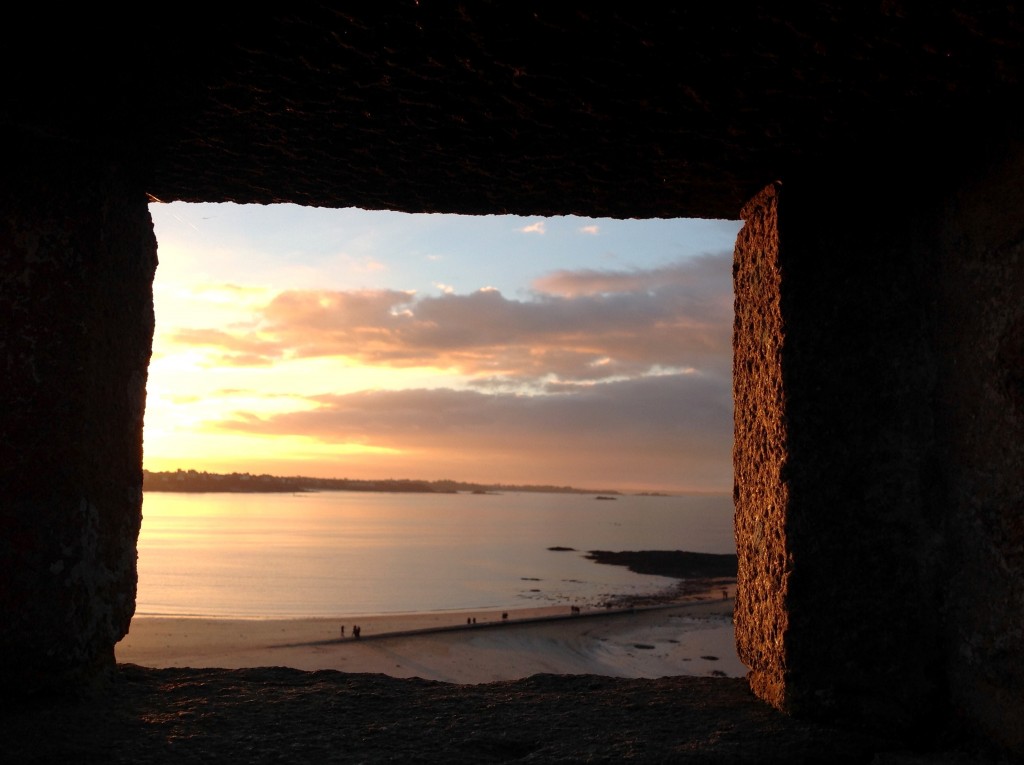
x=691, y=636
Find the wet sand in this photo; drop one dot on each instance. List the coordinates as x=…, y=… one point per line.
x=691, y=636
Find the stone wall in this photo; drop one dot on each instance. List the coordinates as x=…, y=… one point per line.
x=879, y=329
x=981, y=413
x=759, y=451
x=878, y=459
x=835, y=394
x=76, y=309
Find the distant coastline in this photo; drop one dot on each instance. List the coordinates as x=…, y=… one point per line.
x=195, y=481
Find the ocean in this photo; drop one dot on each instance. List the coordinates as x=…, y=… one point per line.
x=331, y=554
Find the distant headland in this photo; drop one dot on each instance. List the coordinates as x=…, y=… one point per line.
x=195, y=481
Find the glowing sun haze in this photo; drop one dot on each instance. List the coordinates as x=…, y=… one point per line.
x=365, y=344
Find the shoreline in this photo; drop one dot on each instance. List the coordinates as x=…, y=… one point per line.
x=685, y=631
x=681, y=591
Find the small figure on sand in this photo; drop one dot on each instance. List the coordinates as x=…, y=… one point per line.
x=504, y=615
x=575, y=609
x=343, y=630
x=356, y=631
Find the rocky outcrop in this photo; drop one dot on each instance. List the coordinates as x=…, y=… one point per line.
x=678, y=564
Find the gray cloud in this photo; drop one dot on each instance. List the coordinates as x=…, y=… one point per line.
x=701, y=278
x=671, y=425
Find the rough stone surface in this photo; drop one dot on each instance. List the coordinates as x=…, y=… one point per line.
x=537, y=108
x=77, y=317
x=878, y=457
x=283, y=715
x=759, y=452
x=981, y=319
x=836, y=519
x=866, y=516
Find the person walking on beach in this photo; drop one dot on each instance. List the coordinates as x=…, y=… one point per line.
x=343, y=630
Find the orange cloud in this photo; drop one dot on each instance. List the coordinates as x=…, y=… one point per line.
x=245, y=345
x=578, y=326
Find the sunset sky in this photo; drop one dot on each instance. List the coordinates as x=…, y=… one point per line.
x=349, y=343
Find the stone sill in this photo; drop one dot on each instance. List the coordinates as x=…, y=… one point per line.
x=277, y=714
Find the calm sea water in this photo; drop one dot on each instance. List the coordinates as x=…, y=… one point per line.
x=354, y=553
